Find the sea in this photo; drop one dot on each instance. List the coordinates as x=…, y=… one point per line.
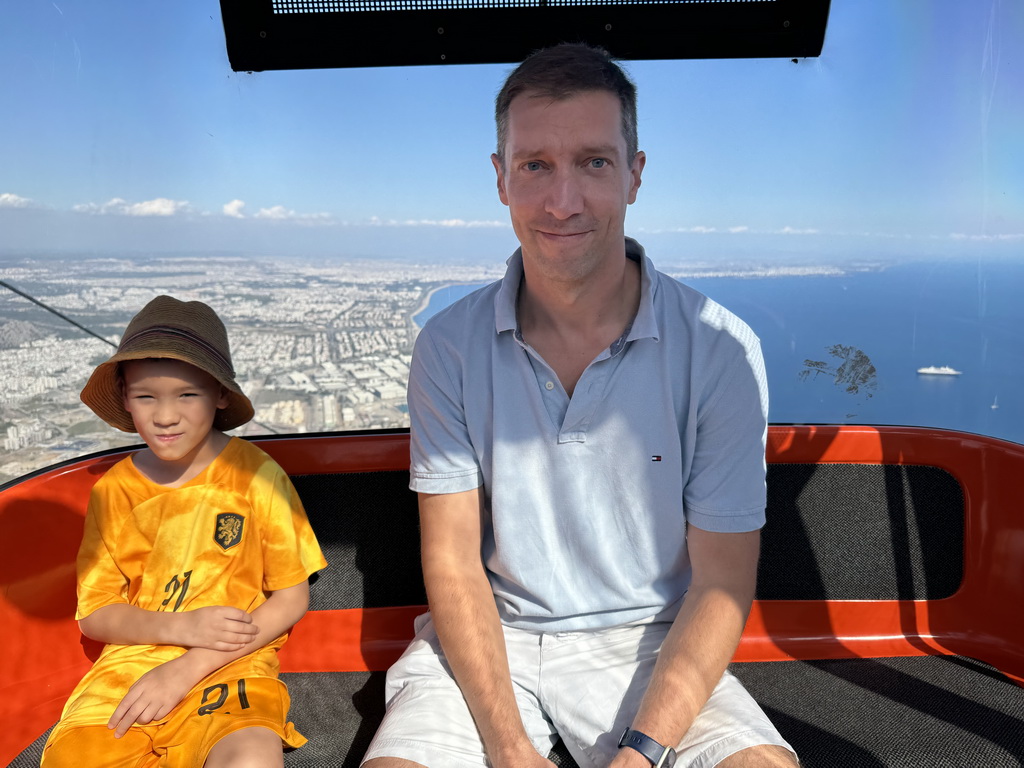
x=845, y=348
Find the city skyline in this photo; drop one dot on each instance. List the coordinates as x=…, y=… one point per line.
x=323, y=347
x=316, y=348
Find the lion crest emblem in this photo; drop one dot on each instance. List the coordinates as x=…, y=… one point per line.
x=229, y=530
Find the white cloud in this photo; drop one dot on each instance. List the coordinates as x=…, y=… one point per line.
x=376, y=221
x=699, y=229
x=161, y=206
x=280, y=213
x=10, y=200
x=453, y=223
x=1003, y=237
x=234, y=209
x=118, y=206
x=792, y=231
x=277, y=212
x=109, y=207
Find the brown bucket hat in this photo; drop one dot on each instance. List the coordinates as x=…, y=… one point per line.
x=182, y=330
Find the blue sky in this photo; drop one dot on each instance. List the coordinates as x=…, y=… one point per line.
x=123, y=128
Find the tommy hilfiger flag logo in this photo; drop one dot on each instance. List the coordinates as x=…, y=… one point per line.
x=655, y=458
x=229, y=529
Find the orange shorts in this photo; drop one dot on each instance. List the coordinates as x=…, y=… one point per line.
x=186, y=736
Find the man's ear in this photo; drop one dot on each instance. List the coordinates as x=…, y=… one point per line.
x=637, y=168
x=500, y=171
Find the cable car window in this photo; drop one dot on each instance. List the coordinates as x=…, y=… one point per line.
x=863, y=211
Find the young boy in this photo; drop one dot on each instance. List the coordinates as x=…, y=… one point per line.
x=194, y=564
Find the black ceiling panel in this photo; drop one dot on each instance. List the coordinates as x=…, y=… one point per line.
x=317, y=34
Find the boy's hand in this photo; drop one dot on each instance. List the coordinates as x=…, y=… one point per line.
x=152, y=696
x=219, y=628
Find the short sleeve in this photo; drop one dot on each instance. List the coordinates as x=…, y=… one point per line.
x=443, y=459
x=100, y=581
x=725, y=491
x=291, y=553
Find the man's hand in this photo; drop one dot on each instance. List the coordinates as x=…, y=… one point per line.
x=152, y=696
x=218, y=627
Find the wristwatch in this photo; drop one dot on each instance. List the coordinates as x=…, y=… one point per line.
x=660, y=757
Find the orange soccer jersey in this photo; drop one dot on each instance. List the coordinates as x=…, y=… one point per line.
x=226, y=537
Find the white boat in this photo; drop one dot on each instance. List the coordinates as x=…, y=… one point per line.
x=939, y=370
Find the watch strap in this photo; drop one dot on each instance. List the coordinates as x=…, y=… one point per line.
x=659, y=756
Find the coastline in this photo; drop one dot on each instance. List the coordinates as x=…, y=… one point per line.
x=429, y=295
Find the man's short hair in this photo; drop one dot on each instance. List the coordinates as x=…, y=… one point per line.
x=561, y=72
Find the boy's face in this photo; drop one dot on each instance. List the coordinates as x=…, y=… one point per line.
x=173, y=405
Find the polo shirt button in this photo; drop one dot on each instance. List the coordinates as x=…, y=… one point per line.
x=549, y=386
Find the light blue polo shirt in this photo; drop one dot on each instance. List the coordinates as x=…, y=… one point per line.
x=587, y=499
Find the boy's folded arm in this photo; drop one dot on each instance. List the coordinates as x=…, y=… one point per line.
x=161, y=689
x=218, y=627
x=276, y=616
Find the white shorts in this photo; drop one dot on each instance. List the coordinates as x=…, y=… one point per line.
x=583, y=686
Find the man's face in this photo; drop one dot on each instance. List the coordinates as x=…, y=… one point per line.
x=567, y=181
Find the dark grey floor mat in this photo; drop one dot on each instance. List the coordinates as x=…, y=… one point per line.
x=924, y=712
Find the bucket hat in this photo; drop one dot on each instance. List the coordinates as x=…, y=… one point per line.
x=168, y=328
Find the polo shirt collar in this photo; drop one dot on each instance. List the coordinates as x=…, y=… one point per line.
x=644, y=324
x=508, y=293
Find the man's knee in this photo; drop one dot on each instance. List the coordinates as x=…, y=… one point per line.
x=390, y=762
x=763, y=756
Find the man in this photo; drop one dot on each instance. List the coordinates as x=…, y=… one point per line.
x=588, y=448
